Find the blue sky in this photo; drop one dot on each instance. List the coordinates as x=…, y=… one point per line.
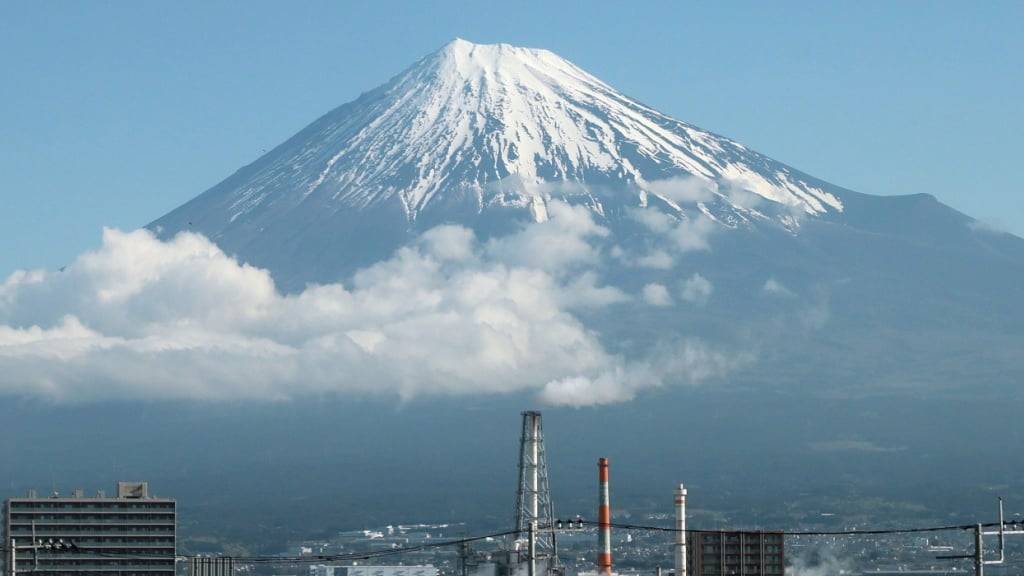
x=115, y=112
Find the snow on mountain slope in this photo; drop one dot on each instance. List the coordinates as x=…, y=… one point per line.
x=496, y=126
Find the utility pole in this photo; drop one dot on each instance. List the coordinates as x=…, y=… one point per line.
x=50, y=545
x=979, y=553
x=464, y=558
x=979, y=543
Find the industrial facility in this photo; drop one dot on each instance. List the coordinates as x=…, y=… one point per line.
x=535, y=549
x=129, y=533
x=134, y=533
x=695, y=553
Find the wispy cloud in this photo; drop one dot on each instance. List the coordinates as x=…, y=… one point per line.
x=656, y=295
x=697, y=290
x=776, y=288
x=682, y=234
x=848, y=445
x=814, y=304
x=987, y=226
x=684, y=189
x=682, y=363
x=656, y=259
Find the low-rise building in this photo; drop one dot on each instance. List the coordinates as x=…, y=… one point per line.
x=372, y=570
x=735, y=554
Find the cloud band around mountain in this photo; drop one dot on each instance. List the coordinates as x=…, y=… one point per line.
x=446, y=315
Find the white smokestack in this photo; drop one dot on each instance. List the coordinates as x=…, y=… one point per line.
x=681, y=530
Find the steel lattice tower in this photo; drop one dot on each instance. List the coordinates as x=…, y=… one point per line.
x=533, y=499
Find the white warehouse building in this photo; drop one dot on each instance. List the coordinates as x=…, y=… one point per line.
x=369, y=570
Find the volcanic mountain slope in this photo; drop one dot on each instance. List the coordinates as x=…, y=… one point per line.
x=488, y=136
x=481, y=134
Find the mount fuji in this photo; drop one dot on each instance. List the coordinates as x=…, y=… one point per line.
x=481, y=134
x=489, y=136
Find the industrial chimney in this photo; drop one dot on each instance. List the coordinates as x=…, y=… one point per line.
x=604, y=521
x=681, y=530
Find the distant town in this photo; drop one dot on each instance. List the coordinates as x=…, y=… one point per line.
x=133, y=531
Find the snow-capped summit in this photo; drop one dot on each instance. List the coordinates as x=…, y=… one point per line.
x=486, y=136
x=483, y=126
x=470, y=115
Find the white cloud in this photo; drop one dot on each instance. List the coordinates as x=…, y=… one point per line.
x=585, y=292
x=776, y=288
x=696, y=290
x=654, y=220
x=739, y=192
x=683, y=234
x=142, y=318
x=556, y=245
x=582, y=391
x=449, y=242
x=657, y=295
x=853, y=446
x=693, y=234
x=691, y=189
x=814, y=311
x=989, y=226
x=688, y=362
x=656, y=259
x=687, y=189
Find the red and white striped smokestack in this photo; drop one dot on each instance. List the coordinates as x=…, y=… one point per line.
x=604, y=521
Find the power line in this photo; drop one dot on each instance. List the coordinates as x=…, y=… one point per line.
x=578, y=521
x=320, y=557
x=371, y=554
x=872, y=532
